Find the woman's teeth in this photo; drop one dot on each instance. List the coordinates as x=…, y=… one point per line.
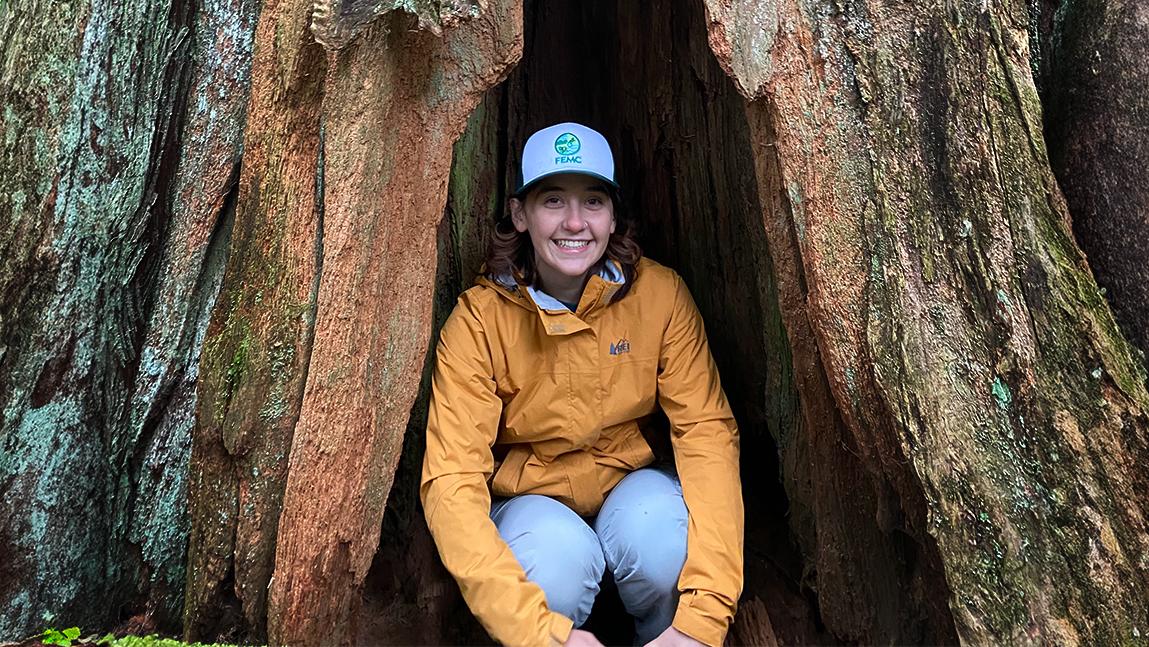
x=572, y=244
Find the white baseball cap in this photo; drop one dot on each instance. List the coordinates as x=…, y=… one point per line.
x=566, y=148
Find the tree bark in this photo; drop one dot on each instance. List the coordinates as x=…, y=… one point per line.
x=259, y=342
x=111, y=236
x=1097, y=125
x=871, y=584
x=967, y=349
x=191, y=269
x=410, y=598
x=384, y=193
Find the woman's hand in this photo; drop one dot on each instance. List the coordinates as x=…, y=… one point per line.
x=580, y=638
x=674, y=638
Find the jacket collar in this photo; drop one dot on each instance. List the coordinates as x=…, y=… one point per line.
x=554, y=316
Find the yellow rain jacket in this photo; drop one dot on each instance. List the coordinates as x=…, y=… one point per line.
x=528, y=397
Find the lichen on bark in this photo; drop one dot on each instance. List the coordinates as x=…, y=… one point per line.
x=90, y=121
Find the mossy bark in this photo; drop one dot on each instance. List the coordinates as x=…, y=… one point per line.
x=1097, y=126
x=259, y=342
x=112, y=228
x=967, y=348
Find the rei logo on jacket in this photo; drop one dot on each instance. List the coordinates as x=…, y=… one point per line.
x=620, y=347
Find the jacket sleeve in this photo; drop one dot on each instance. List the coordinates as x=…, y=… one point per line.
x=461, y=428
x=705, y=441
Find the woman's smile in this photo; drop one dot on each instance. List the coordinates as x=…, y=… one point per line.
x=572, y=246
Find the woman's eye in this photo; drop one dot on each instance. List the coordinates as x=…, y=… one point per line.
x=553, y=201
x=594, y=202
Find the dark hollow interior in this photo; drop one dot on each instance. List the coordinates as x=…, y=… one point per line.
x=644, y=76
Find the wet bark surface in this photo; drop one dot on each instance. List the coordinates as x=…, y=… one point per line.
x=943, y=289
x=409, y=597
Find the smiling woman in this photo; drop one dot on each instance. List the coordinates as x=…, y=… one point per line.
x=567, y=203
x=569, y=218
x=537, y=478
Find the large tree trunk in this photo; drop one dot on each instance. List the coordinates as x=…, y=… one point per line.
x=319, y=325
x=967, y=348
x=857, y=194
x=384, y=191
x=118, y=157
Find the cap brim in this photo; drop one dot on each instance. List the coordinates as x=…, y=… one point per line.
x=527, y=187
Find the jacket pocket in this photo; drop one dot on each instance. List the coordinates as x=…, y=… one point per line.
x=506, y=481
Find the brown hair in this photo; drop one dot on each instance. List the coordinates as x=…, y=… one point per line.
x=511, y=253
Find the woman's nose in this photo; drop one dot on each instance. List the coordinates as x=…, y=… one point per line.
x=574, y=220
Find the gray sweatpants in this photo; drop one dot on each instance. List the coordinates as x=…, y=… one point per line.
x=639, y=534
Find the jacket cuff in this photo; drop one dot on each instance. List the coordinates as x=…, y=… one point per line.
x=704, y=617
x=560, y=628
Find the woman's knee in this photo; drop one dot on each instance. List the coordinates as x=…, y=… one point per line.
x=556, y=548
x=642, y=528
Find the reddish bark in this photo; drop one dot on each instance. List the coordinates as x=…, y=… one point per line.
x=410, y=598
x=384, y=192
x=966, y=346
x=259, y=341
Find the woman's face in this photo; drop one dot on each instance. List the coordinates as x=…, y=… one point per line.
x=569, y=218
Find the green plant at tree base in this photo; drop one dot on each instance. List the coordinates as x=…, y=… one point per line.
x=63, y=638
x=151, y=641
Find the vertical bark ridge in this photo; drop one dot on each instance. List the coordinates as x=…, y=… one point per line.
x=410, y=598
x=190, y=269
x=871, y=584
x=963, y=339
x=259, y=341
x=384, y=192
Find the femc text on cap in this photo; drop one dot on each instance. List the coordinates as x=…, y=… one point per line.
x=566, y=148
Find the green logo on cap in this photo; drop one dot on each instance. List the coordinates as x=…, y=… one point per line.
x=567, y=144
